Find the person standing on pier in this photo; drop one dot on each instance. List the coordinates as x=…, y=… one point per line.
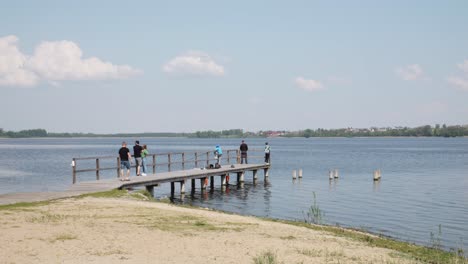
x=137, y=154
x=267, y=153
x=218, y=153
x=125, y=160
x=144, y=153
x=243, y=150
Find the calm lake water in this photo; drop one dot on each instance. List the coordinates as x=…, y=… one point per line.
x=424, y=180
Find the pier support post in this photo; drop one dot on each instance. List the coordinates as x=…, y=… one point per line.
x=300, y=173
x=193, y=185
x=294, y=174
x=150, y=189
x=172, y=189
x=223, y=180
x=265, y=173
x=212, y=182
x=182, y=187
x=255, y=176
x=203, y=183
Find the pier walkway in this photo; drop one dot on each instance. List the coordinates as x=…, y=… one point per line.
x=206, y=178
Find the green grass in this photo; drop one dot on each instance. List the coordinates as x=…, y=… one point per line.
x=116, y=193
x=419, y=253
x=267, y=257
x=22, y=205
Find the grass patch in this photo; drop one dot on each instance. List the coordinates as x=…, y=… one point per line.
x=63, y=237
x=143, y=195
x=288, y=237
x=22, y=205
x=310, y=252
x=267, y=257
x=419, y=253
x=181, y=223
x=116, y=193
x=109, y=252
x=46, y=217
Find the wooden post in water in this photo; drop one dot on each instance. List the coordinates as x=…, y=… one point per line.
x=97, y=169
x=212, y=182
x=377, y=175
x=73, y=170
x=228, y=157
x=169, y=162
x=335, y=173
x=265, y=173
x=238, y=156
x=223, y=180
x=300, y=173
x=207, y=158
x=193, y=185
x=254, y=175
x=172, y=189
x=203, y=183
x=294, y=174
x=182, y=187
x=183, y=160
x=154, y=163
x=196, y=159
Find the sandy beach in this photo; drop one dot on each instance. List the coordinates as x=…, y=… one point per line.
x=123, y=230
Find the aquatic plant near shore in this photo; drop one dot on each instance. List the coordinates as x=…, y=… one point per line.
x=314, y=215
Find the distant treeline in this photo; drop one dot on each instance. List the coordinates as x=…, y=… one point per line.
x=423, y=131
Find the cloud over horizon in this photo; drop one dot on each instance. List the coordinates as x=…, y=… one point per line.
x=54, y=61
x=193, y=63
x=308, y=85
x=411, y=72
x=460, y=81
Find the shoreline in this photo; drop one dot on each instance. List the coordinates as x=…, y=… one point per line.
x=118, y=226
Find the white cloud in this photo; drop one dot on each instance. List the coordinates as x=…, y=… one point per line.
x=464, y=66
x=54, y=61
x=410, y=72
x=460, y=81
x=308, y=85
x=12, y=71
x=193, y=63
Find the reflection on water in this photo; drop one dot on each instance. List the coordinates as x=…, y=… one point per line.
x=425, y=182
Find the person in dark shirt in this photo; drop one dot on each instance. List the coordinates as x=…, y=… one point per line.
x=125, y=160
x=137, y=154
x=267, y=153
x=243, y=150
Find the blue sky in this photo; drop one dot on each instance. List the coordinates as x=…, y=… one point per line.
x=155, y=66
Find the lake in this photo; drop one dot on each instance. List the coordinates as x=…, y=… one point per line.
x=424, y=180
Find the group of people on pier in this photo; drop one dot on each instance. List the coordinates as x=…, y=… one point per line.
x=141, y=152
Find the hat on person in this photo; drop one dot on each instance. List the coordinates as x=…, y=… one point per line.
x=138, y=142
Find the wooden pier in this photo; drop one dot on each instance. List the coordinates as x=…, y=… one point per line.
x=205, y=177
x=173, y=169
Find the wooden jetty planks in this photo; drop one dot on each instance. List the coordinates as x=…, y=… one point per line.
x=150, y=180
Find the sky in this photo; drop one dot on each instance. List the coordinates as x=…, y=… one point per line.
x=183, y=66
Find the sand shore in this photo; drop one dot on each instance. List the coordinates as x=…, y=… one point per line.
x=124, y=230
